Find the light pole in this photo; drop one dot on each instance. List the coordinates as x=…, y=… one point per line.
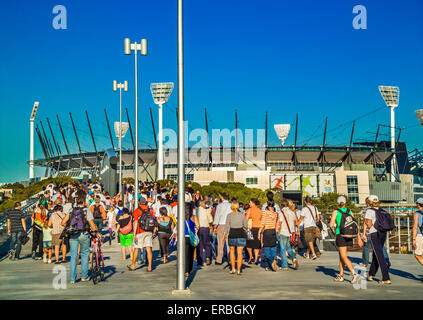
x=31, y=140
x=142, y=47
x=391, y=97
x=120, y=129
x=161, y=93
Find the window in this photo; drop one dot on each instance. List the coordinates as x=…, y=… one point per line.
x=352, y=184
x=251, y=181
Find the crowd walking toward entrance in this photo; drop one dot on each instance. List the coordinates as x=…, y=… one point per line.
x=75, y=218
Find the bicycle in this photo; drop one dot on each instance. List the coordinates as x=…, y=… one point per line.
x=97, y=261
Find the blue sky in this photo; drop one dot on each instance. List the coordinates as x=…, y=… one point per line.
x=254, y=56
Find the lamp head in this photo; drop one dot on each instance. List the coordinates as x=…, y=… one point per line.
x=125, y=85
x=34, y=111
x=143, y=47
x=161, y=91
x=127, y=46
x=390, y=95
x=114, y=85
x=419, y=114
x=282, y=131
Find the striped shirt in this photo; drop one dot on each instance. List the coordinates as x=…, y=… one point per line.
x=15, y=217
x=57, y=218
x=269, y=220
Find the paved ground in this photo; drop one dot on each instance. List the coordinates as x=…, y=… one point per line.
x=29, y=279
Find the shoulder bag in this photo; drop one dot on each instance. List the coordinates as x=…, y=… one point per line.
x=293, y=237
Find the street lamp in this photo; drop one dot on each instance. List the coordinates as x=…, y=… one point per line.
x=391, y=97
x=161, y=93
x=142, y=47
x=282, y=131
x=120, y=128
x=31, y=139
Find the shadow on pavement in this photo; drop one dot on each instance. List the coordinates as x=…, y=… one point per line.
x=327, y=271
x=109, y=271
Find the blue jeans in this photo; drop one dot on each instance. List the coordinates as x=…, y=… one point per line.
x=366, y=252
x=99, y=223
x=15, y=243
x=286, y=247
x=270, y=254
x=83, y=240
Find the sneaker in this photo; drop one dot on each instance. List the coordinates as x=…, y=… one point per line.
x=313, y=257
x=33, y=255
x=369, y=278
x=385, y=282
x=208, y=262
x=354, y=278
x=306, y=256
x=296, y=265
x=11, y=254
x=339, y=278
x=72, y=282
x=38, y=258
x=85, y=279
x=284, y=269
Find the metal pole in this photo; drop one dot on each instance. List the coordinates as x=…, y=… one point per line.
x=393, y=160
x=130, y=128
x=120, y=142
x=160, y=151
x=108, y=127
x=180, y=286
x=408, y=234
x=52, y=135
x=63, y=136
x=136, y=128
x=399, y=234
x=31, y=149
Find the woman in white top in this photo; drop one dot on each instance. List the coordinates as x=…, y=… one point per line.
x=377, y=239
x=289, y=225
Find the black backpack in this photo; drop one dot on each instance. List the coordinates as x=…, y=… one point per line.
x=384, y=221
x=146, y=221
x=348, y=228
x=97, y=212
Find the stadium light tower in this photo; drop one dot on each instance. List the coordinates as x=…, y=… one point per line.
x=419, y=114
x=391, y=97
x=282, y=130
x=142, y=47
x=161, y=93
x=120, y=127
x=31, y=139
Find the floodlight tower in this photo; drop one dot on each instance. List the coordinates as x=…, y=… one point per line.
x=120, y=128
x=161, y=93
x=31, y=139
x=391, y=97
x=419, y=115
x=142, y=47
x=282, y=131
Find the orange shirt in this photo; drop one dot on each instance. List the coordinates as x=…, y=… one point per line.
x=255, y=215
x=138, y=214
x=269, y=220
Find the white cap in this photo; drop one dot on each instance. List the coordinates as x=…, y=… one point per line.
x=420, y=201
x=341, y=199
x=373, y=198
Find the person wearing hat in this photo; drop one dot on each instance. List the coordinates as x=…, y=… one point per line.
x=341, y=242
x=377, y=239
x=142, y=238
x=418, y=231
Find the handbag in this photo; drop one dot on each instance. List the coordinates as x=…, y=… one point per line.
x=293, y=237
x=126, y=229
x=317, y=232
x=249, y=234
x=24, y=238
x=193, y=237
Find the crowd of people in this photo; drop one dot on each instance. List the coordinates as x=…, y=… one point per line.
x=271, y=235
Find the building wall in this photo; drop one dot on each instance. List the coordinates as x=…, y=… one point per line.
x=256, y=178
x=363, y=182
x=407, y=189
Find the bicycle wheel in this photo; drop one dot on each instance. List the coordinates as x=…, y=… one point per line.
x=94, y=268
x=101, y=264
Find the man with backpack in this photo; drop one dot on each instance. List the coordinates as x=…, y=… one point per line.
x=379, y=223
x=418, y=231
x=16, y=226
x=99, y=214
x=144, y=228
x=78, y=223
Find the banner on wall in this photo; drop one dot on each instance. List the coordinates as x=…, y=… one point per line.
x=310, y=185
x=326, y=183
x=277, y=181
x=293, y=182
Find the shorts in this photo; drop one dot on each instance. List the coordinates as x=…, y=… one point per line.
x=47, y=244
x=145, y=239
x=126, y=240
x=419, y=242
x=237, y=242
x=310, y=234
x=55, y=241
x=343, y=242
